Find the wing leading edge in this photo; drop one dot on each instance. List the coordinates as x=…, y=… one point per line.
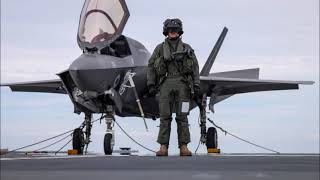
x=226, y=86
x=48, y=86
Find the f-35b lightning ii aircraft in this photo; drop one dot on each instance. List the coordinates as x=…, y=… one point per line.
x=110, y=76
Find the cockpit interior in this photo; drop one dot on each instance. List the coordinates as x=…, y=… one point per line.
x=118, y=48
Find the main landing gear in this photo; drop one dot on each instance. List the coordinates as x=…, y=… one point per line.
x=209, y=137
x=80, y=139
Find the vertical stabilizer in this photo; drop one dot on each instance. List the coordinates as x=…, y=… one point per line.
x=207, y=66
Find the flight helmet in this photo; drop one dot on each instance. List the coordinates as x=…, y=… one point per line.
x=172, y=25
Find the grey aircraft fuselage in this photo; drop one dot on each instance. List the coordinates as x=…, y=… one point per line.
x=93, y=74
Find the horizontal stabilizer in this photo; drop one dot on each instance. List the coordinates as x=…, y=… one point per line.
x=244, y=73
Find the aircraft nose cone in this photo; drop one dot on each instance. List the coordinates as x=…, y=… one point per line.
x=97, y=73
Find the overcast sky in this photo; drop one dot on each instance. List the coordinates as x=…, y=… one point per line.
x=281, y=37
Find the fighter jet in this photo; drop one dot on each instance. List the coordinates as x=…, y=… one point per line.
x=110, y=76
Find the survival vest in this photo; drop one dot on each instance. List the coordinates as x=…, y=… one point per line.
x=182, y=60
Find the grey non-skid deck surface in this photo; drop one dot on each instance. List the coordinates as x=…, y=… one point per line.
x=229, y=167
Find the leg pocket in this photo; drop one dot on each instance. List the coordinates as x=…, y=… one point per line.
x=183, y=107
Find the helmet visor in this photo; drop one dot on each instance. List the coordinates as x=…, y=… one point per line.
x=174, y=29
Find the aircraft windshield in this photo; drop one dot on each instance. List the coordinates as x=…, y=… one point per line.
x=101, y=20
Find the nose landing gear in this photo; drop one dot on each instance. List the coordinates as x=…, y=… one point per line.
x=109, y=136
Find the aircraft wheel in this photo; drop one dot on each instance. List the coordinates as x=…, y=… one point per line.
x=108, y=148
x=78, y=140
x=212, y=138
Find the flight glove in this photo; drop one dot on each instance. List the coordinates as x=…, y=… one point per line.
x=152, y=90
x=196, y=89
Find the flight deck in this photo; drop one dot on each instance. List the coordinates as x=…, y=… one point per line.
x=202, y=166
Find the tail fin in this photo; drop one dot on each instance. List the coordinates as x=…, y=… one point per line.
x=207, y=66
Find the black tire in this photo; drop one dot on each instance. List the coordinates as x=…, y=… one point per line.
x=107, y=144
x=212, y=138
x=78, y=140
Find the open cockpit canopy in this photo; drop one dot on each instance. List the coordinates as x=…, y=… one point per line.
x=101, y=22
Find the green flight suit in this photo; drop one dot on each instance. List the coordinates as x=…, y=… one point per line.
x=175, y=76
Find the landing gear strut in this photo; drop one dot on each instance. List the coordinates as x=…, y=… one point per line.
x=210, y=137
x=109, y=137
x=203, y=128
x=87, y=132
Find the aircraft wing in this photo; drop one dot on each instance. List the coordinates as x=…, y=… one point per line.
x=48, y=86
x=231, y=86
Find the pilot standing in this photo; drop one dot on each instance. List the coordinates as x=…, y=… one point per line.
x=174, y=71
